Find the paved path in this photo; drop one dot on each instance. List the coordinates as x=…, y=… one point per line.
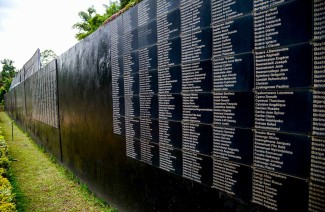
x=44, y=185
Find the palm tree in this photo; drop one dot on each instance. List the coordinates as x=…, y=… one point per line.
x=85, y=28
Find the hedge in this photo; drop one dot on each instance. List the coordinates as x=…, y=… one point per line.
x=7, y=196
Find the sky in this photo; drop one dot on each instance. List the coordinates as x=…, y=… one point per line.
x=26, y=25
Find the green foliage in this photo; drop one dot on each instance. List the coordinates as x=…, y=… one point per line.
x=131, y=3
x=4, y=155
x=6, y=76
x=91, y=21
x=7, y=207
x=128, y=3
x=3, y=172
x=85, y=28
x=111, y=9
x=124, y=3
x=8, y=69
x=47, y=56
x=4, y=163
x=7, y=197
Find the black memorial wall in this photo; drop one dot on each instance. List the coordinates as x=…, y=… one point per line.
x=177, y=100
x=33, y=103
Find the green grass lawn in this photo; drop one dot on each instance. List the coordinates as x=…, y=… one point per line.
x=41, y=184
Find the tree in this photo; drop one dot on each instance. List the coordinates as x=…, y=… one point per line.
x=6, y=76
x=85, y=27
x=8, y=69
x=47, y=56
x=91, y=21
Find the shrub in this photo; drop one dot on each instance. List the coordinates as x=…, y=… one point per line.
x=6, y=194
x=4, y=162
x=3, y=172
x=7, y=207
x=124, y=7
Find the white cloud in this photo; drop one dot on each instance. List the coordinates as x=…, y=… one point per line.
x=32, y=24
